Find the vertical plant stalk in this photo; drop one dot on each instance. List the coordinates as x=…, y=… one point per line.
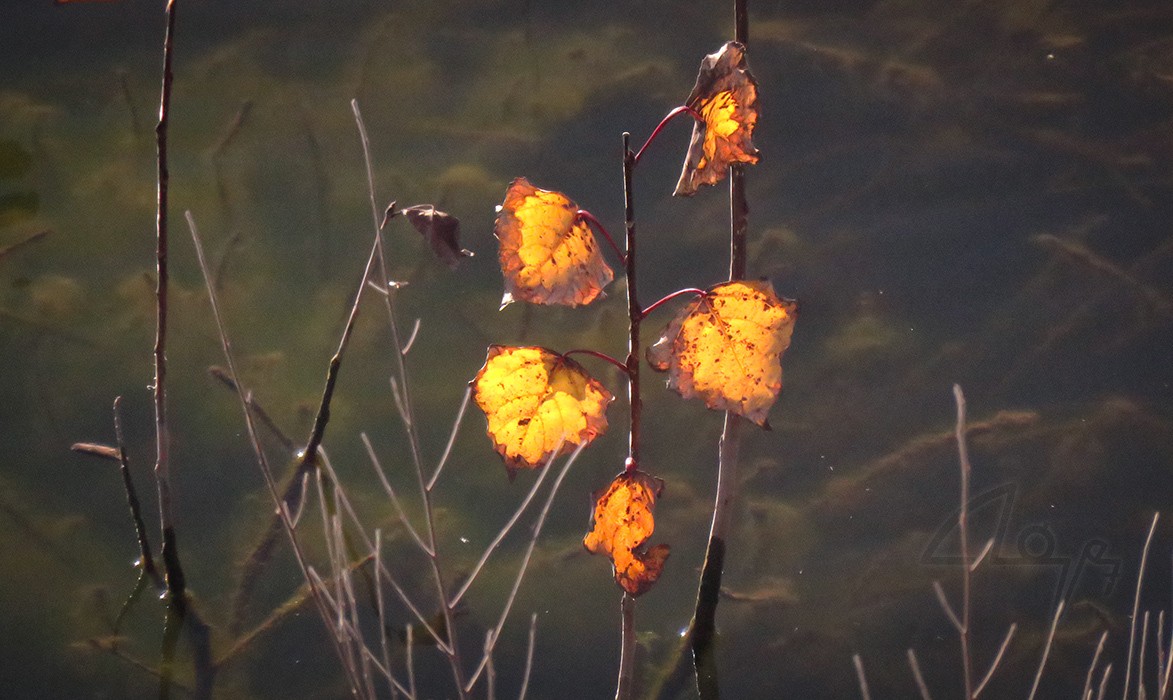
x=963, y=534
x=402, y=387
x=177, y=608
x=624, y=686
x=704, y=622
x=627, y=654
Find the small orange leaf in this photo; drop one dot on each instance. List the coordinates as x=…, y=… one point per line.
x=726, y=96
x=726, y=348
x=548, y=254
x=621, y=523
x=536, y=400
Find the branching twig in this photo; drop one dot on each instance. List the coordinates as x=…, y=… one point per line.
x=262, y=460
x=406, y=413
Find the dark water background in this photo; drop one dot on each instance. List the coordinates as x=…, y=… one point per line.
x=960, y=192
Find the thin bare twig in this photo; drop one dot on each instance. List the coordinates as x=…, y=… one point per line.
x=917, y=676
x=859, y=675
x=501, y=535
x=1046, y=650
x=1091, y=669
x=1144, y=558
x=997, y=660
x=391, y=494
x=529, y=656
x=1144, y=641
x=1104, y=682
x=454, y=660
x=963, y=534
x=526, y=559
x=451, y=438
x=262, y=461
x=146, y=560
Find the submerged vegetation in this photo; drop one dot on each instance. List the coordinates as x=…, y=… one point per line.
x=978, y=196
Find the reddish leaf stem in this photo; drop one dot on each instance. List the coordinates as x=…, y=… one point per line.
x=590, y=219
x=682, y=109
x=670, y=297
x=596, y=353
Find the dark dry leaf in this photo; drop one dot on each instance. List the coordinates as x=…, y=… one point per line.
x=442, y=231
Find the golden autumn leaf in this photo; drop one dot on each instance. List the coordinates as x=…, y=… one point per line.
x=548, y=254
x=538, y=402
x=622, y=521
x=726, y=97
x=726, y=348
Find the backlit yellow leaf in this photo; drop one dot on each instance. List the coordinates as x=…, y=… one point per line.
x=726, y=96
x=537, y=400
x=726, y=348
x=548, y=254
x=622, y=521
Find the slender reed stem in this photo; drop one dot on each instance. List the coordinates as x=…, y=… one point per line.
x=1144, y=558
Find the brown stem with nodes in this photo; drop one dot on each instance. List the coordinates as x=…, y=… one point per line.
x=634, y=310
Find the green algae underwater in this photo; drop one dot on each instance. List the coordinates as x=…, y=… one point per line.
x=976, y=194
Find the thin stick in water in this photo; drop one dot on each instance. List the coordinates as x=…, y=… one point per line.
x=316, y=592
x=1091, y=669
x=917, y=676
x=1046, y=650
x=529, y=656
x=997, y=660
x=537, y=531
x=859, y=675
x=1144, y=558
